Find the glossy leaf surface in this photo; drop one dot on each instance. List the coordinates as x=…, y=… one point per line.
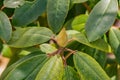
x=5, y=27
x=71, y=33
x=47, y=48
x=57, y=11
x=28, y=12
x=101, y=19
x=98, y=44
x=70, y=74
x=78, y=1
x=114, y=39
x=52, y=70
x=25, y=68
x=79, y=22
x=88, y=68
x=13, y=3
x=26, y=37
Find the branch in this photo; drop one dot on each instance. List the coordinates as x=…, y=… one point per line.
x=2, y=7
x=87, y=7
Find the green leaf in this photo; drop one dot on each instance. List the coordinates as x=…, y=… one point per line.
x=6, y=51
x=99, y=44
x=71, y=33
x=29, y=12
x=79, y=22
x=5, y=27
x=47, y=48
x=68, y=24
x=114, y=39
x=25, y=68
x=13, y=3
x=78, y=1
x=70, y=74
x=111, y=70
x=26, y=51
x=30, y=36
x=101, y=19
x=52, y=70
x=57, y=11
x=99, y=56
x=88, y=68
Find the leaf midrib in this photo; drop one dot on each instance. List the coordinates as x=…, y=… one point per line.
x=22, y=63
x=91, y=68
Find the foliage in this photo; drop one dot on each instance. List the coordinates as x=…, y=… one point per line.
x=60, y=39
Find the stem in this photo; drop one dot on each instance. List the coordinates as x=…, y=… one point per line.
x=87, y=7
x=59, y=51
x=69, y=50
x=11, y=17
x=2, y=7
x=64, y=61
x=69, y=54
x=53, y=40
x=70, y=40
x=2, y=41
x=52, y=54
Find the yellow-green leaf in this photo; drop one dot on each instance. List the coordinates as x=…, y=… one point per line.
x=52, y=70
x=47, y=48
x=62, y=38
x=78, y=22
x=114, y=39
x=78, y=1
x=6, y=51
